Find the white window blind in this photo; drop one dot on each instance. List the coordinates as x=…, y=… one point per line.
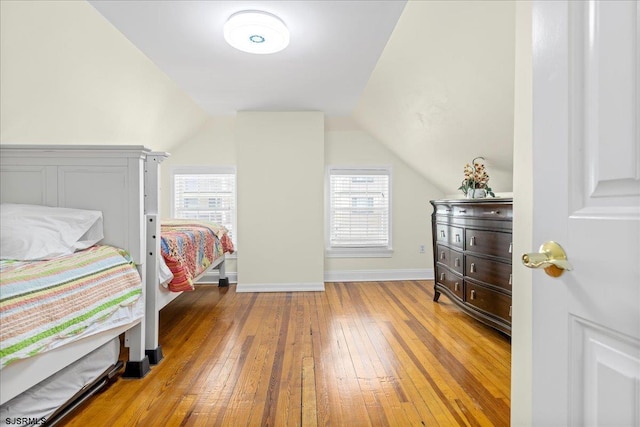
x=206, y=196
x=359, y=208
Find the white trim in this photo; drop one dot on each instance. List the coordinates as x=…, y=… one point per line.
x=378, y=275
x=373, y=252
x=329, y=276
x=280, y=287
x=202, y=169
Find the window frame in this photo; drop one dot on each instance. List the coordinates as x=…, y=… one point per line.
x=358, y=251
x=208, y=170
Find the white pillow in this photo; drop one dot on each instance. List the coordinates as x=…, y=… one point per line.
x=32, y=232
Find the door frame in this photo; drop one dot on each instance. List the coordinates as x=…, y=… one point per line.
x=522, y=336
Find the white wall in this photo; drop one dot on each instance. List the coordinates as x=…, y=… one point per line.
x=280, y=182
x=68, y=76
x=521, y=380
x=213, y=145
x=411, y=214
x=344, y=144
x=442, y=90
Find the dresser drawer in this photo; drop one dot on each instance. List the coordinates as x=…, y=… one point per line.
x=493, y=212
x=456, y=261
x=495, y=273
x=488, y=300
x=494, y=243
x=449, y=279
x=443, y=209
x=453, y=236
x=443, y=254
x=451, y=258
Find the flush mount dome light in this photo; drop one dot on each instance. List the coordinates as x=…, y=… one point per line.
x=256, y=32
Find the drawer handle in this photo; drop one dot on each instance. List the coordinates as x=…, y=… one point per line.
x=492, y=213
x=455, y=286
x=457, y=238
x=472, y=241
x=511, y=247
x=510, y=279
x=473, y=294
x=442, y=233
x=447, y=210
x=510, y=310
x=456, y=262
x=442, y=277
x=462, y=211
x=473, y=267
x=442, y=255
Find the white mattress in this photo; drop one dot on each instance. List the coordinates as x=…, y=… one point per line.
x=43, y=399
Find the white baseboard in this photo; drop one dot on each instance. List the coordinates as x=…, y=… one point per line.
x=280, y=287
x=329, y=276
x=213, y=277
x=378, y=275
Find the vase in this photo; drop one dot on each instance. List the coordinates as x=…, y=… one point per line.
x=476, y=193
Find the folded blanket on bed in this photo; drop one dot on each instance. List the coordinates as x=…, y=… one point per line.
x=42, y=302
x=190, y=247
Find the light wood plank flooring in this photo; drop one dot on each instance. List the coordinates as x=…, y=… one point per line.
x=358, y=354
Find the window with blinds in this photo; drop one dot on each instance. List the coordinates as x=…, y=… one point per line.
x=359, y=208
x=206, y=195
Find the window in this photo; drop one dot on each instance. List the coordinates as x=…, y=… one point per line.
x=207, y=194
x=359, y=212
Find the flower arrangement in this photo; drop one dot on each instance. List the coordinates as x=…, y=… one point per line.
x=475, y=177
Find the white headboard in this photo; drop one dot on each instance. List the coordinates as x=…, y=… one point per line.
x=105, y=178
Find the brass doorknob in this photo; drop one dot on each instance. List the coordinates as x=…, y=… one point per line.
x=551, y=257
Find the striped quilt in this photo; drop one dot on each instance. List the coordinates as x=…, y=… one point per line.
x=190, y=247
x=45, y=301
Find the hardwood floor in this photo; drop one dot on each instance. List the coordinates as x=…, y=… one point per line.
x=358, y=354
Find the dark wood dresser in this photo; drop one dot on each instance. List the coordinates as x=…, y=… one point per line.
x=472, y=249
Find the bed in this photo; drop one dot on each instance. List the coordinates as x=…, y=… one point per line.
x=45, y=305
x=109, y=180
x=158, y=295
x=122, y=182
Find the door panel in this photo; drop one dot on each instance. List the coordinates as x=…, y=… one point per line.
x=605, y=152
x=605, y=362
x=586, y=159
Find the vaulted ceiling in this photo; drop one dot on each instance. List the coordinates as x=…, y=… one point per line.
x=334, y=47
x=442, y=92
x=431, y=80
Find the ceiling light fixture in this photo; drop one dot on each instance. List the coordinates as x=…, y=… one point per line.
x=256, y=32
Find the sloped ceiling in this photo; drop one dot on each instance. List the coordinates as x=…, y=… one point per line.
x=334, y=46
x=439, y=95
x=442, y=90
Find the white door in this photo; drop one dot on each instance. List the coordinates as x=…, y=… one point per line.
x=586, y=159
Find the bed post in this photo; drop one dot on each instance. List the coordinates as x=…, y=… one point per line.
x=152, y=348
x=151, y=207
x=138, y=364
x=223, y=280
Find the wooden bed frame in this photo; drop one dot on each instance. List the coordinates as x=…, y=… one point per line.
x=109, y=179
x=157, y=296
x=122, y=182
